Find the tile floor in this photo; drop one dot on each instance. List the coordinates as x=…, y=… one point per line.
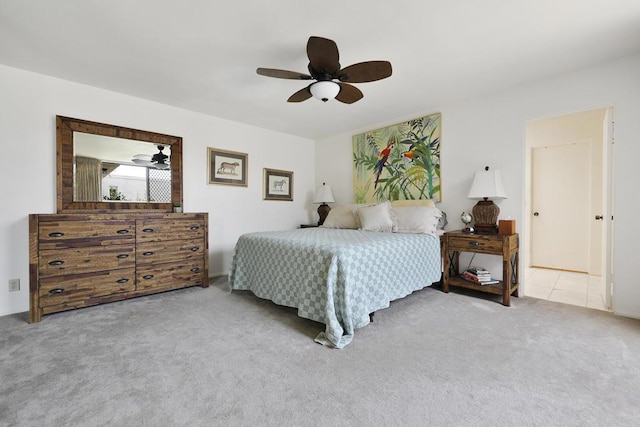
x=566, y=287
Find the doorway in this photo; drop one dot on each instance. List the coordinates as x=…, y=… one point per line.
x=568, y=205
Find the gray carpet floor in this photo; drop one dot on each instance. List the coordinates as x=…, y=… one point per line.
x=202, y=357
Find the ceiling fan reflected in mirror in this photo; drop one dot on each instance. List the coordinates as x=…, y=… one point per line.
x=157, y=161
x=331, y=81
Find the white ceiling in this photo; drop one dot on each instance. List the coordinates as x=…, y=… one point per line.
x=201, y=55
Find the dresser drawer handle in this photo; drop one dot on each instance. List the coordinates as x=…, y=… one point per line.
x=56, y=262
x=475, y=244
x=56, y=234
x=147, y=276
x=195, y=269
x=195, y=227
x=147, y=253
x=123, y=231
x=195, y=248
x=56, y=291
x=121, y=256
x=148, y=230
x=123, y=280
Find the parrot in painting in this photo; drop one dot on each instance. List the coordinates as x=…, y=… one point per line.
x=382, y=160
x=411, y=152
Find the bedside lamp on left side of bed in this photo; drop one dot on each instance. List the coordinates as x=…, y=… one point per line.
x=323, y=196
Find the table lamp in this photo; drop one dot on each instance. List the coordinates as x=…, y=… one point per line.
x=486, y=184
x=323, y=196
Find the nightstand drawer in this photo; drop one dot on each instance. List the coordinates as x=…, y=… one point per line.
x=477, y=243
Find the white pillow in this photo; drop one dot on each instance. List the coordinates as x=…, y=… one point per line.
x=376, y=218
x=342, y=216
x=419, y=219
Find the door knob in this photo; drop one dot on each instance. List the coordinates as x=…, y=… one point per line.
x=599, y=217
x=536, y=214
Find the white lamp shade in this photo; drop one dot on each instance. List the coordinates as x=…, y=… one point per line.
x=325, y=90
x=487, y=184
x=323, y=194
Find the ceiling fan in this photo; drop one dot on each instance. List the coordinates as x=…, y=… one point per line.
x=157, y=161
x=324, y=67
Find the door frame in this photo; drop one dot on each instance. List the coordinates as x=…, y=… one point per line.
x=608, y=211
x=607, y=175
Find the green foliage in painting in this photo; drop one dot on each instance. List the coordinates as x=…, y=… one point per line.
x=398, y=162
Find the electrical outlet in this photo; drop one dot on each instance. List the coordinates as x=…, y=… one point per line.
x=14, y=285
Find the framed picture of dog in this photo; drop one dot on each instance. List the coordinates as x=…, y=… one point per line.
x=277, y=185
x=227, y=167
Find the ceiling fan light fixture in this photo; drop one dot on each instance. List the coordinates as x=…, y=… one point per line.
x=325, y=90
x=324, y=67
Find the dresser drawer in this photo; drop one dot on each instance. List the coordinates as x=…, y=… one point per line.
x=176, y=251
x=67, y=289
x=478, y=243
x=64, y=234
x=85, y=260
x=171, y=276
x=154, y=230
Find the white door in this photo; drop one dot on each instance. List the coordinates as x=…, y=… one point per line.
x=561, y=207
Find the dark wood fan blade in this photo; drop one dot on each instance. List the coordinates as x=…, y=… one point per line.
x=323, y=55
x=362, y=72
x=301, y=95
x=282, y=74
x=349, y=94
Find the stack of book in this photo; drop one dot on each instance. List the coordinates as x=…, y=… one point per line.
x=479, y=275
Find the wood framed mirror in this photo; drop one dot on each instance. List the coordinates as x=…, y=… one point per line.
x=103, y=167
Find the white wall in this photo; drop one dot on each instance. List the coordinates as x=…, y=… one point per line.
x=490, y=131
x=28, y=105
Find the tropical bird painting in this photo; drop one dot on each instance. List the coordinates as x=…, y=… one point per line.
x=401, y=161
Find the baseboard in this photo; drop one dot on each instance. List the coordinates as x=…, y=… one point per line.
x=626, y=314
x=218, y=274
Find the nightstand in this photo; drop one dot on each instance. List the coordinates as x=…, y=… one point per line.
x=504, y=245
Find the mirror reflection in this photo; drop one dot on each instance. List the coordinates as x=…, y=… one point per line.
x=120, y=170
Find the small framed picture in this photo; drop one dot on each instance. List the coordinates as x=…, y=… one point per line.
x=278, y=184
x=227, y=167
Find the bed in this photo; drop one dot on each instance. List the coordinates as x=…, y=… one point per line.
x=336, y=276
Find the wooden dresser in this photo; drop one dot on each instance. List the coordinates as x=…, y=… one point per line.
x=79, y=260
